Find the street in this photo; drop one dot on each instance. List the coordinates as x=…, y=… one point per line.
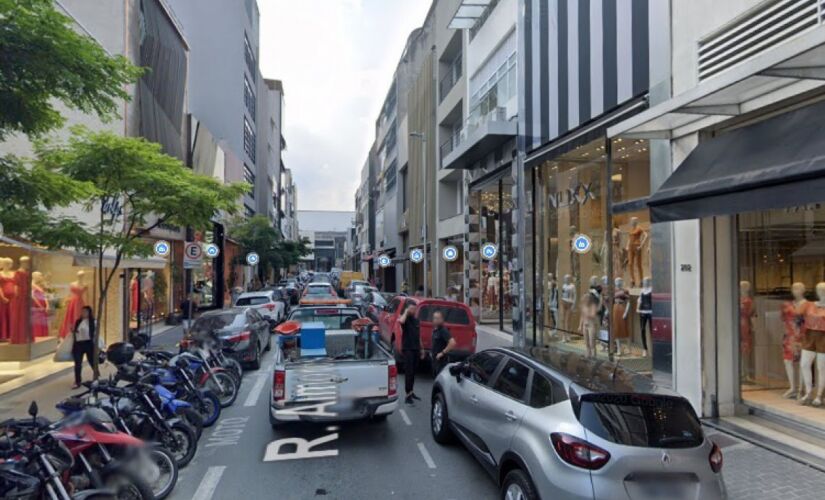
x=377, y=460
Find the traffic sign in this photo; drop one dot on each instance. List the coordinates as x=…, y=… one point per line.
x=252, y=258
x=450, y=253
x=416, y=255
x=193, y=250
x=489, y=251
x=162, y=248
x=212, y=250
x=582, y=243
x=384, y=260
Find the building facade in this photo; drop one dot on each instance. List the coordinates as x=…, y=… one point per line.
x=328, y=232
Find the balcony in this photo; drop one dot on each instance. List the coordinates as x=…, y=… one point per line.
x=448, y=81
x=450, y=143
x=481, y=134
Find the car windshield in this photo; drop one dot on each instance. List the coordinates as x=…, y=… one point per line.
x=644, y=420
x=319, y=290
x=252, y=301
x=332, y=318
x=213, y=322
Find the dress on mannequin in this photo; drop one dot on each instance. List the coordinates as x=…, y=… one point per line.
x=645, y=310
x=792, y=319
x=20, y=306
x=620, y=300
x=8, y=315
x=746, y=313
x=133, y=297
x=553, y=301
x=634, y=254
x=40, y=312
x=74, y=305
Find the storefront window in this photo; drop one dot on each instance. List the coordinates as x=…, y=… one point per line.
x=454, y=270
x=781, y=255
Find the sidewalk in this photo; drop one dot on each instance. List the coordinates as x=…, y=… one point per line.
x=50, y=389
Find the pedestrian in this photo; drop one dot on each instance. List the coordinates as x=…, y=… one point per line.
x=405, y=288
x=85, y=336
x=419, y=292
x=442, y=343
x=187, y=311
x=410, y=350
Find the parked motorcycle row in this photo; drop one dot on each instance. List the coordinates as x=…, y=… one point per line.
x=125, y=437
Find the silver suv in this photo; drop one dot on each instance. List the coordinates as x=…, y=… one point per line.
x=552, y=424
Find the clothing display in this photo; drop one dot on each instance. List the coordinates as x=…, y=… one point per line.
x=746, y=314
x=634, y=254
x=74, y=305
x=133, y=297
x=645, y=314
x=8, y=314
x=39, y=313
x=620, y=301
x=814, y=334
x=793, y=320
x=19, y=307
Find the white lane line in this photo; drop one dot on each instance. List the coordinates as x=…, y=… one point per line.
x=405, y=417
x=209, y=483
x=255, y=393
x=426, y=455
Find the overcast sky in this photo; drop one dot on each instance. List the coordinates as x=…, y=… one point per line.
x=336, y=59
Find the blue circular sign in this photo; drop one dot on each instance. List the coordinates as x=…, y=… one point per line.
x=384, y=260
x=582, y=243
x=162, y=248
x=450, y=253
x=212, y=250
x=416, y=255
x=252, y=258
x=489, y=251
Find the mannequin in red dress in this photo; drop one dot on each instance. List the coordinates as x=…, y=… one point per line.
x=20, y=304
x=8, y=293
x=40, y=306
x=793, y=318
x=74, y=304
x=133, y=295
x=746, y=314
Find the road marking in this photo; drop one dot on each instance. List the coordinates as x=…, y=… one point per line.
x=255, y=393
x=405, y=417
x=227, y=432
x=426, y=455
x=209, y=483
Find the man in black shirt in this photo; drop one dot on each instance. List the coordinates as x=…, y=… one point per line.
x=442, y=343
x=410, y=349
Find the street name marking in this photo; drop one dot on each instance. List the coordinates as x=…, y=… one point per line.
x=228, y=432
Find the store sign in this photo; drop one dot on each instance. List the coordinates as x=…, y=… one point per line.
x=162, y=248
x=211, y=250
x=416, y=255
x=384, y=260
x=489, y=251
x=252, y=258
x=582, y=243
x=450, y=253
x=575, y=195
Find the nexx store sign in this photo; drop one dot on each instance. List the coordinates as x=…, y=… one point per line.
x=577, y=194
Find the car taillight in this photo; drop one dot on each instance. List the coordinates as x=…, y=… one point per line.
x=392, y=380
x=715, y=459
x=278, y=381
x=475, y=338
x=578, y=452
x=271, y=307
x=239, y=337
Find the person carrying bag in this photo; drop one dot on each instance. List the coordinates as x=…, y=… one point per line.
x=84, y=335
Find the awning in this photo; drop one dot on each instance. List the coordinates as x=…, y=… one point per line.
x=776, y=163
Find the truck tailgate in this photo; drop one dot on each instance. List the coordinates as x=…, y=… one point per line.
x=343, y=380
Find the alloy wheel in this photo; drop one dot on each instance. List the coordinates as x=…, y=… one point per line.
x=514, y=492
x=438, y=416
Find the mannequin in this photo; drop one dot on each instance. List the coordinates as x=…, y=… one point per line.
x=621, y=309
x=20, y=304
x=589, y=322
x=552, y=299
x=619, y=252
x=597, y=290
x=40, y=306
x=793, y=318
x=74, y=303
x=574, y=255
x=644, y=308
x=492, y=290
x=134, y=300
x=636, y=239
x=147, y=287
x=568, y=305
x=8, y=296
x=813, y=348
x=746, y=315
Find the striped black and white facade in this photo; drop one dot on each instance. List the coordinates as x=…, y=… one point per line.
x=580, y=59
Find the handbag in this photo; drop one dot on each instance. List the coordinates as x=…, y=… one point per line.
x=64, y=349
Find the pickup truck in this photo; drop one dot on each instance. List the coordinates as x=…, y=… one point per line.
x=457, y=318
x=353, y=378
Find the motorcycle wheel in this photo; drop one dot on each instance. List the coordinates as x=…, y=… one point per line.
x=185, y=443
x=127, y=485
x=234, y=367
x=229, y=393
x=164, y=477
x=208, y=407
x=193, y=418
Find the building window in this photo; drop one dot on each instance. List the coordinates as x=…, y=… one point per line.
x=389, y=176
x=494, y=94
x=451, y=75
x=249, y=139
x=249, y=97
x=249, y=211
x=249, y=55
x=249, y=177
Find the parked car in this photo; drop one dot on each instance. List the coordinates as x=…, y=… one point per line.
x=363, y=372
x=349, y=278
x=373, y=303
x=241, y=329
x=317, y=293
x=457, y=318
x=358, y=293
x=267, y=302
x=321, y=278
x=547, y=423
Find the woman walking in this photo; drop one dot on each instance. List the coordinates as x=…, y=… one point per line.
x=85, y=336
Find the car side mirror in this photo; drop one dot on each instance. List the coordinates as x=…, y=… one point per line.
x=459, y=369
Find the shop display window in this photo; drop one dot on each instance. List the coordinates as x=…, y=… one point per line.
x=781, y=316
x=455, y=271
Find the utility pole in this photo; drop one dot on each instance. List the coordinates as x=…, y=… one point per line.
x=423, y=139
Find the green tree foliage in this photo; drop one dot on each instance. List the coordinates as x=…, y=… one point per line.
x=256, y=234
x=45, y=59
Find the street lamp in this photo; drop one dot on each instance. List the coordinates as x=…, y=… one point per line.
x=423, y=138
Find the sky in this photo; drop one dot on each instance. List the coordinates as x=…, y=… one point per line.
x=336, y=59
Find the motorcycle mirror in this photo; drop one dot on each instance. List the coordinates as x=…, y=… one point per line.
x=33, y=409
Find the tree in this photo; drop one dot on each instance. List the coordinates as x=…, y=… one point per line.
x=256, y=234
x=153, y=188
x=292, y=251
x=44, y=59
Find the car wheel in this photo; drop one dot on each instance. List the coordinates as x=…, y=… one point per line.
x=440, y=420
x=268, y=342
x=518, y=486
x=256, y=363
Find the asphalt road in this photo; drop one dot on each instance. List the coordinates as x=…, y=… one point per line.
x=366, y=460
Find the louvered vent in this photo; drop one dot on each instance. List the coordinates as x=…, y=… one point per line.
x=766, y=26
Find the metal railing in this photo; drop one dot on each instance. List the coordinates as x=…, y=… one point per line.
x=471, y=124
x=448, y=81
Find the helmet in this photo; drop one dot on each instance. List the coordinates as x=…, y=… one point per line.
x=120, y=353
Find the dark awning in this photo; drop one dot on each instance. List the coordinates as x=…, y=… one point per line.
x=776, y=163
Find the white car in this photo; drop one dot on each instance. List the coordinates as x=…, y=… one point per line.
x=266, y=303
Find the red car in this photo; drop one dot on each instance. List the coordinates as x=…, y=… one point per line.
x=457, y=318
